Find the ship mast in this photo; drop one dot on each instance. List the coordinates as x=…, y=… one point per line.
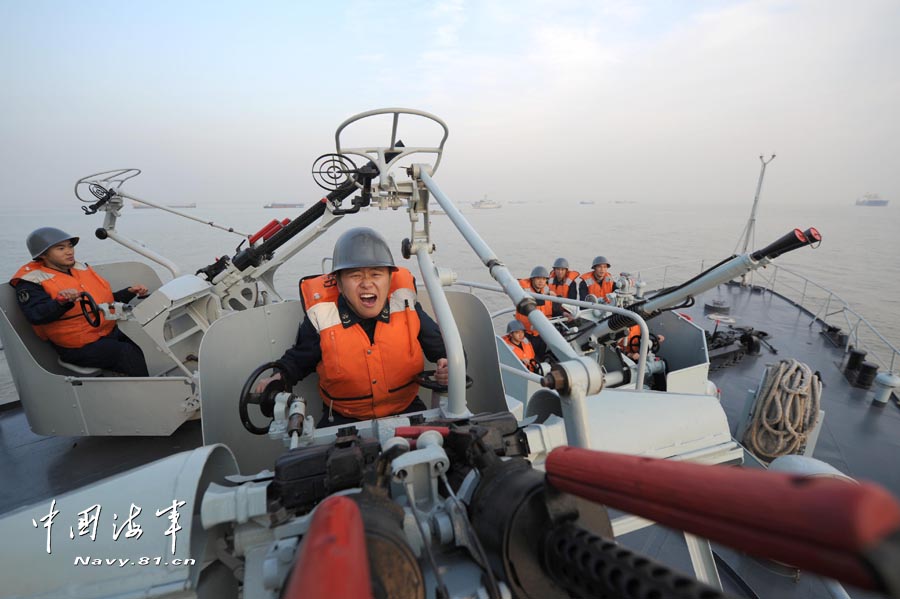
x=750, y=228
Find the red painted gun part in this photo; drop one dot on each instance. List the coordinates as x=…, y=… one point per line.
x=271, y=231
x=412, y=432
x=332, y=560
x=261, y=232
x=819, y=524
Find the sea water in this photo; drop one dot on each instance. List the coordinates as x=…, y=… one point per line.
x=857, y=260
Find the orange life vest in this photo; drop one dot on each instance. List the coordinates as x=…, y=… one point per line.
x=357, y=378
x=524, y=352
x=599, y=289
x=634, y=331
x=546, y=307
x=71, y=329
x=562, y=289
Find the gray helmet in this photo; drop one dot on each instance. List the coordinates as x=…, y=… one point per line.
x=561, y=263
x=360, y=248
x=600, y=260
x=514, y=325
x=539, y=271
x=41, y=240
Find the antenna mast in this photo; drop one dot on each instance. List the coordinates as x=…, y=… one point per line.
x=750, y=228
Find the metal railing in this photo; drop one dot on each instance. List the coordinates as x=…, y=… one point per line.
x=830, y=309
x=824, y=305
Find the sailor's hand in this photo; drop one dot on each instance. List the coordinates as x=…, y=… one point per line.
x=139, y=290
x=67, y=295
x=263, y=383
x=442, y=374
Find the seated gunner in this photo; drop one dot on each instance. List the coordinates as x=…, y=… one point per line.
x=364, y=334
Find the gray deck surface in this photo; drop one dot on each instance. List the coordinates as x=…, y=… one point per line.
x=858, y=438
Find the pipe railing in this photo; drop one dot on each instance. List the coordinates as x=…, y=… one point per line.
x=823, y=304
x=827, y=304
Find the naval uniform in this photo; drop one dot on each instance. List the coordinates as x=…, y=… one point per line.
x=64, y=326
x=366, y=366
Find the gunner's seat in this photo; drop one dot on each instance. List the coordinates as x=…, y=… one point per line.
x=80, y=370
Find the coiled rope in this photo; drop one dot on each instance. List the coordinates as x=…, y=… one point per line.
x=785, y=411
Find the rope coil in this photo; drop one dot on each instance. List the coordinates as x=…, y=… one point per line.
x=785, y=412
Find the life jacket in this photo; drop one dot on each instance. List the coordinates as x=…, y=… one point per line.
x=634, y=331
x=357, y=378
x=524, y=352
x=71, y=329
x=599, y=289
x=562, y=289
x=543, y=305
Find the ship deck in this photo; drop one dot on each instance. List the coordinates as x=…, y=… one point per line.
x=858, y=437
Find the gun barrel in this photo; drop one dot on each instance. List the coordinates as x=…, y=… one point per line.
x=824, y=525
x=724, y=272
x=787, y=242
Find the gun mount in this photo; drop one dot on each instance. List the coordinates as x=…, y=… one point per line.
x=682, y=295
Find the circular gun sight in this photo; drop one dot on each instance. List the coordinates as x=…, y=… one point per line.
x=332, y=171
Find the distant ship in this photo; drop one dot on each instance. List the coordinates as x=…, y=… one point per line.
x=587, y=202
x=871, y=199
x=485, y=204
x=148, y=207
x=284, y=205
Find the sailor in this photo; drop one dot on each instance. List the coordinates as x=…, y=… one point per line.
x=630, y=343
x=562, y=283
x=537, y=283
x=47, y=289
x=517, y=341
x=598, y=282
x=364, y=334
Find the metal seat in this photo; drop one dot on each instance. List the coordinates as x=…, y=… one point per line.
x=80, y=370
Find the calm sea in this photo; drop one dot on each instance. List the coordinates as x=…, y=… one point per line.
x=857, y=260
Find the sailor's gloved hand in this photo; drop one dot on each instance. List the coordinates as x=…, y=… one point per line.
x=67, y=295
x=442, y=374
x=139, y=290
x=261, y=383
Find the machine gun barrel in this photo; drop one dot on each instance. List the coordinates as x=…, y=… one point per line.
x=603, y=568
x=726, y=271
x=849, y=532
x=253, y=256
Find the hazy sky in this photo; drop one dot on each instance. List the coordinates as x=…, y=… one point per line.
x=650, y=100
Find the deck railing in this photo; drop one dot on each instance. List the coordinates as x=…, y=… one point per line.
x=824, y=305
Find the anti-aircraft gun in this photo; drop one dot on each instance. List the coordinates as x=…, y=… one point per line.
x=446, y=503
x=729, y=269
x=599, y=327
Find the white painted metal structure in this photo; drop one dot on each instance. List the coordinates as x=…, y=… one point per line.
x=229, y=527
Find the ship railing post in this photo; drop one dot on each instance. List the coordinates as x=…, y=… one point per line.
x=828, y=305
x=855, y=333
x=849, y=336
x=803, y=295
x=665, y=272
